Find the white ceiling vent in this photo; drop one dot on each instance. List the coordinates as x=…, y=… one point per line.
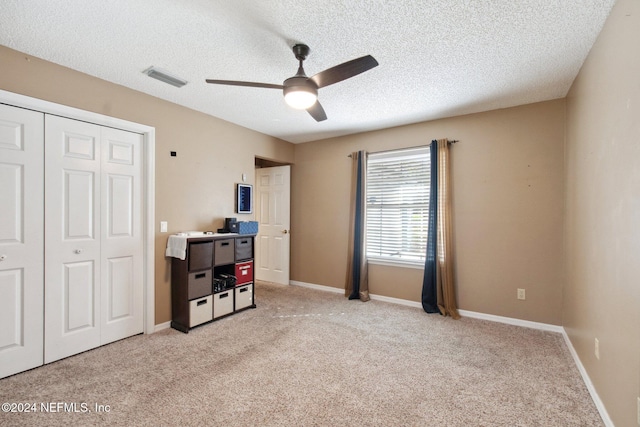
x=164, y=76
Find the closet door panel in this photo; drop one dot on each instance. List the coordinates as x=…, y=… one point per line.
x=122, y=309
x=21, y=239
x=11, y=210
x=11, y=289
x=120, y=295
x=72, y=233
x=78, y=205
x=120, y=202
x=78, y=296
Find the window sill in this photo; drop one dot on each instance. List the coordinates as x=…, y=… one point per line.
x=419, y=265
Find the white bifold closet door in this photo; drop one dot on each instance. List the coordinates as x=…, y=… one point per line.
x=21, y=239
x=93, y=236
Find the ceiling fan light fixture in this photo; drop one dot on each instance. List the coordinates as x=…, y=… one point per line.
x=300, y=99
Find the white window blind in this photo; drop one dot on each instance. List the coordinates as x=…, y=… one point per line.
x=398, y=205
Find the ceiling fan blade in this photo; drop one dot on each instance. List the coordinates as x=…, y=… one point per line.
x=344, y=71
x=317, y=112
x=247, y=84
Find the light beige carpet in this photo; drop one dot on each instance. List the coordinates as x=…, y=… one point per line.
x=311, y=358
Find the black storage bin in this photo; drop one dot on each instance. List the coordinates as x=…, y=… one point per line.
x=244, y=248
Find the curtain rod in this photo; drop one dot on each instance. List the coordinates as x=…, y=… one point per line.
x=408, y=148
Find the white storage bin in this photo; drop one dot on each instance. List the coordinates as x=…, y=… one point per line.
x=244, y=296
x=222, y=303
x=200, y=311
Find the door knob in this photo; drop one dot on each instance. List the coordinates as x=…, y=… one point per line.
x=78, y=251
x=285, y=231
x=3, y=257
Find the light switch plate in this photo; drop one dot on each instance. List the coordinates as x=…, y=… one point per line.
x=163, y=226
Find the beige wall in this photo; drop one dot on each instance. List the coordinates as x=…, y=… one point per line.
x=195, y=190
x=510, y=170
x=602, y=293
x=507, y=173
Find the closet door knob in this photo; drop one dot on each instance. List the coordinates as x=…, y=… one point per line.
x=3, y=257
x=78, y=251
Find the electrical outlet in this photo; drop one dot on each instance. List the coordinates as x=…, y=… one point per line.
x=521, y=294
x=597, y=349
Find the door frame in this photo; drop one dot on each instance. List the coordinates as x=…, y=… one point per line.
x=148, y=181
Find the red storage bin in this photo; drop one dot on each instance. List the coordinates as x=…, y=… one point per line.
x=244, y=272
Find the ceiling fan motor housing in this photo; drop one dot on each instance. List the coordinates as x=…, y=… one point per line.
x=301, y=51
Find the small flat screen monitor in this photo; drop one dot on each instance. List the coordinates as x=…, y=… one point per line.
x=244, y=198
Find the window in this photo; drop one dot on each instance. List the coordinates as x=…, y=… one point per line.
x=398, y=205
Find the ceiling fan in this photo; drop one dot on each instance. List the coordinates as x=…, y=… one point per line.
x=300, y=91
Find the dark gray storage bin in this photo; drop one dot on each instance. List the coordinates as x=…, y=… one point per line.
x=224, y=252
x=244, y=248
x=200, y=255
x=199, y=284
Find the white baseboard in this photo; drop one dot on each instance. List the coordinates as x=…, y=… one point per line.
x=317, y=287
x=512, y=321
x=500, y=319
x=162, y=326
x=399, y=301
x=464, y=313
x=341, y=291
x=587, y=381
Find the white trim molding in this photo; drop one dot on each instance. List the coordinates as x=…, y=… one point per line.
x=162, y=326
x=587, y=382
x=341, y=291
x=512, y=321
x=419, y=265
x=398, y=301
x=317, y=287
x=499, y=319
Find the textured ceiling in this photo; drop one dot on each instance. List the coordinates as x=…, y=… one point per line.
x=437, y=58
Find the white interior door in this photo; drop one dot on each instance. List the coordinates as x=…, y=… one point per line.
x=73, y=230
x=122, y=303
x=273, y=194
x=21, y=239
